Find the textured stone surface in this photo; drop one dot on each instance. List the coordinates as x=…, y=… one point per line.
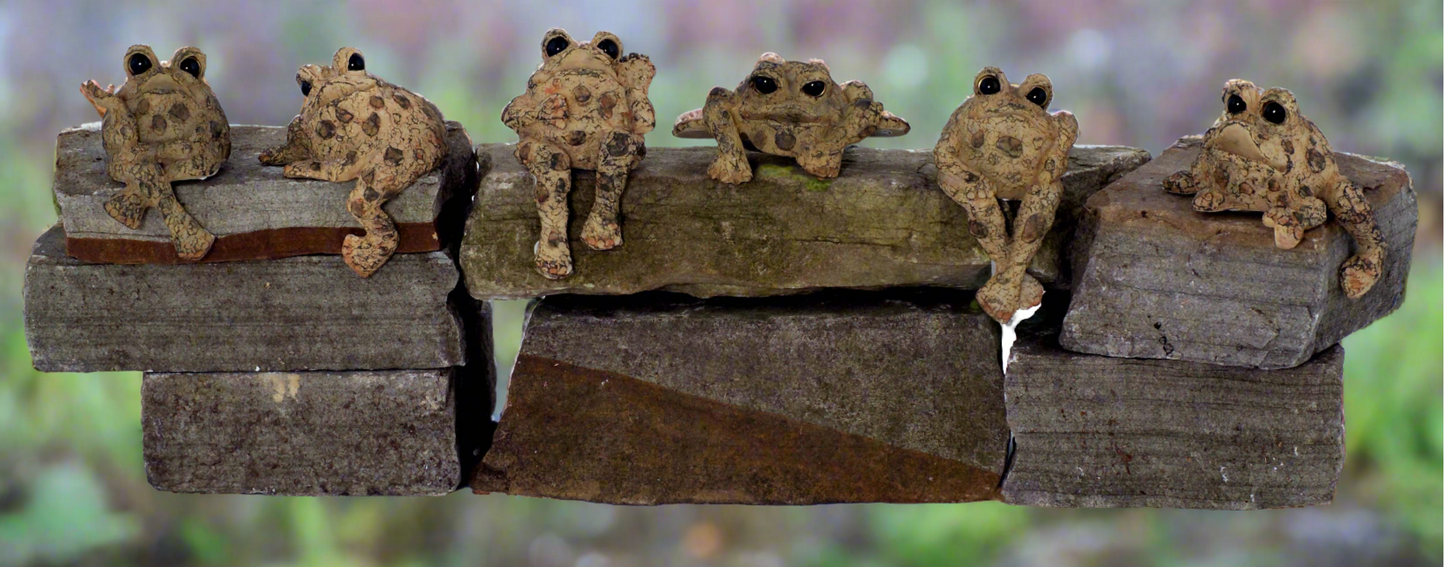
x=882, y=222
x=313, y=433
x=301, y=313
x=1093, y=431
x=843, y=398
x=253, y=210
x=1155, y=279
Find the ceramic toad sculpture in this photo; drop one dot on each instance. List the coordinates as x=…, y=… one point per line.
x=586, y=107
x=355, y=126
x=163, y=125
x=1262, y=155
x=787, y=108
x=1002, y=143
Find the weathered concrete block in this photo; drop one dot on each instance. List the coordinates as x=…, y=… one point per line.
x=849, y=398
x=1155, y=279
x=315, y=433
x=883, y=223
x=291, y=314
x=254, y=211
x=1094, y=431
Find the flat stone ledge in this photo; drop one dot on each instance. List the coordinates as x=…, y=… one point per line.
x=291, y=314
x=883, y=223
x=1155, y=279
x=849, y=398
x=302, y=434
x=253, y=210
x=1100, y=432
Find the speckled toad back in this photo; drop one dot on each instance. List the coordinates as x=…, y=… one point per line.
x=354, y=125
x=1002, y=143
x=586, y=107
x=1263, y=155
x=787, y=108
x=164, y=124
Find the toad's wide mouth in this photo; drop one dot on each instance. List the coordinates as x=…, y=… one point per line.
x=161, y=83
x=1234, y=138
x=785, y=114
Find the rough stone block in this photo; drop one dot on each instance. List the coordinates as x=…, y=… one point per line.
x=1094, y=431
x=882, y=223
x=254, y=211
x=291, y=314
x=845, y=398
x=314, y=433
x=1155, y=279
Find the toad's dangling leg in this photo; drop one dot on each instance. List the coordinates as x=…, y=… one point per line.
x=366, y=254
x=191, y=240
x=603, y=229
x=552, y=171
x=731, y=165
x=986, y=222
x=1361, y=271
x=1011, y=288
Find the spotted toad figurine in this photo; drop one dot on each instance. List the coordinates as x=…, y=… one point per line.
x=1262, y=155
x=355, y=126
x=1002, y=143
x=163, y=125
x=787, y=108
x=586, y=107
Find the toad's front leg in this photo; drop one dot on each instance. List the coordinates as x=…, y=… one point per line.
x=552, y=172
x=731, y=165
x=603, y=229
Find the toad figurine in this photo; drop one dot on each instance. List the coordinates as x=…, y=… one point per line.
x=355, y=126
x=163, y=125
x=791, y=109
x=1002, y=143
x=586, y=107
x=1262, y=155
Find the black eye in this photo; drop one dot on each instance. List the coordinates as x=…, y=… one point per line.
x=139, y=63
x=1038, y=96
x=609, y=47
x=764, y=85
x=190, y=65
x=1235, y=105
x=1274, y=112
x=355, y=63
x=815, y=88
x=556, y=45
x=305, y=88
x=988, y=86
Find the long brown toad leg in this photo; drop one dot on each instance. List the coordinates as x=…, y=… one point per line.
x=603, y=230
x=191, y=240
x=552, y=171
x=1011, y=288
x=731, y=165
x=366, y=254
x=1359, y=273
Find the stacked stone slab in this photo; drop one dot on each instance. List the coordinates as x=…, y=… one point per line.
x=271, y=367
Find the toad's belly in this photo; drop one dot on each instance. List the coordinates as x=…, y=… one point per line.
x=1004, y=150
x=169, y=117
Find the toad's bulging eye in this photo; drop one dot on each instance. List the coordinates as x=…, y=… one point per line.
x=609, y=47
x=1274, y=112
x=1235, y=105
x=556, y=45
x=1038, y=96
x=355, y=63
x=988, y=86
x=764, y=85
x=815, y=88
x=305, y=88
x=139, y=63
x=191, y=66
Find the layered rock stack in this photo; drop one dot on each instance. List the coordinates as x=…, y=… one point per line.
x=791, y=340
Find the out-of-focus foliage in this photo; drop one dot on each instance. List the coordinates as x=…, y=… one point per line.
x=1140, y=73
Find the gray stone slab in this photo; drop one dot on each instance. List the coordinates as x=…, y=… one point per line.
x=305, y=434
x=1093, y=431
x=882, y=223
x=291, y=314
x=1158, y=280
x=253, y=210
x=843, y=398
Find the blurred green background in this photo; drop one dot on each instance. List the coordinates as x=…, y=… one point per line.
x=72, y=483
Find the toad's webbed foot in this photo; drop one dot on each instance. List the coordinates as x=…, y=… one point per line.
x=1287, y=230
x=824, y=163
x=1002, y=296
x=1181, y=183
x=1211, y=200
x=104, y=100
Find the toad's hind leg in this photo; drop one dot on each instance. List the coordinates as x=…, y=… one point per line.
x=824, y=163
x=129, y=206
x=603, y=229
x=552, y=172
x=191, y=240
x=731, y=165
x=366, y=254
x=1011, y=288
x=1361, y=271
